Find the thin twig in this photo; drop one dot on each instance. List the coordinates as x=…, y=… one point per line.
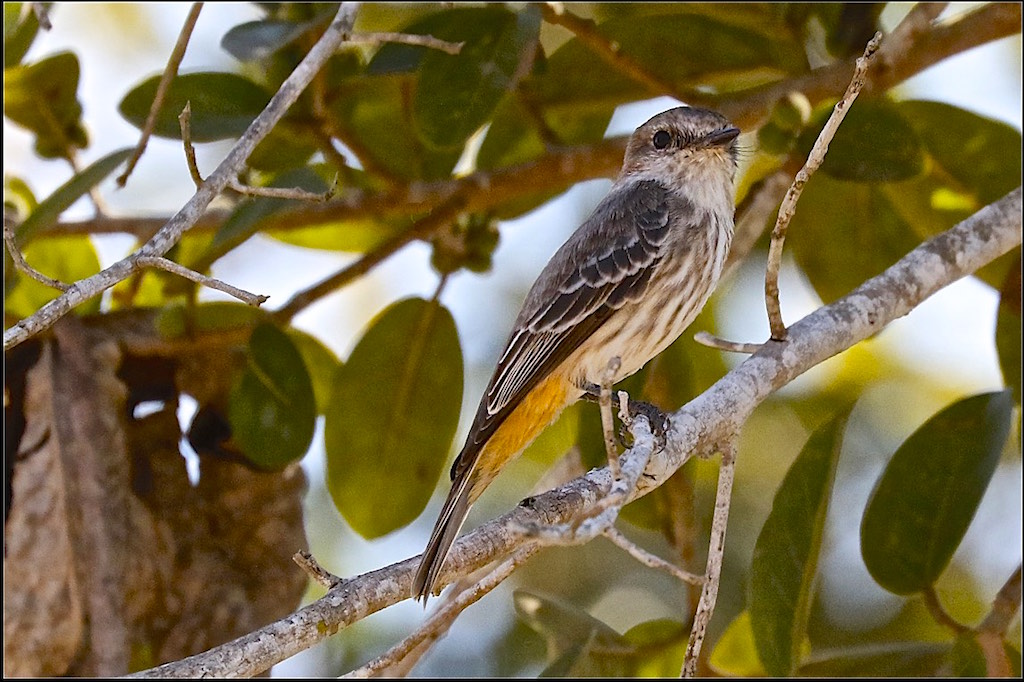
x=170, y=71
x=604, y=401
x=407, y=39
x=22, y=265
x=931, y=600
x=712, y=341
x=170, y=266
x=315, y=571
x=441, y=620
x=716, y=551
x=296, y=193
x=42, y=12
x=1005, y=606
x=185, y=123
x=648, y=559
x=788, y=207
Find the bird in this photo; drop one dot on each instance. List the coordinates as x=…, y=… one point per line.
x=626, y=284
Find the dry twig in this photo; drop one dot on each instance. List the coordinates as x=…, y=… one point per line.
x=171, y=70
x=788, y=207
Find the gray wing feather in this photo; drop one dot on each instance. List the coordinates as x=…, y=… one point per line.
x=575, y=288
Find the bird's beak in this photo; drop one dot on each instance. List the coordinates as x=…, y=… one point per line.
x=722, y=137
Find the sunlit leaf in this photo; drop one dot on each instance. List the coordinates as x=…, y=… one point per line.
x=786, y=555
x=392, y=416
x=735, y=653
x=66, y=259
x=43, y=97
x=930, y=490
x=659, y=647
x=223, y=105
x=20, y=29
x=272, y=410
x=321, y=363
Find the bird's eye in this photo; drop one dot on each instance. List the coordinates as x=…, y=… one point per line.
x=661, y=139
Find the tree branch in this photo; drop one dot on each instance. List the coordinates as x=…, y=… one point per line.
x=169, y=234
x=697, y=428
x=170, y=71
x=788, y=208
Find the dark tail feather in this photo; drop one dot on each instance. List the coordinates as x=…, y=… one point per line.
x=450, y=521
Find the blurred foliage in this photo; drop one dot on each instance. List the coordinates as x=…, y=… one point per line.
x=398, y=117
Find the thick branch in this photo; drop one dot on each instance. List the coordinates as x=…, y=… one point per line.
x=696, y=428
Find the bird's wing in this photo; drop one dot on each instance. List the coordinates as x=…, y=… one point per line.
x=607, y=263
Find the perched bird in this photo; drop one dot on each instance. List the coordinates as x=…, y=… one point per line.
x=626, y=284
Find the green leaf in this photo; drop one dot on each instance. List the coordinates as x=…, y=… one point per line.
x=981, y=154
x=929, y=492
x=456, y=94
x=967, y=658
x=875, y=143
x=659, y=647
x=258, y=40
x=903, y=659
x=735, y=653
x=573, y=637
x=49, y=210
x=321, y=363
x=272, y=410
x=177, y=321
x=1008, y=329
x=223, y=105
x=845, y=233
x=392, y=416
x=786, y=555
x=20, y=29
x=43, y=97
x=67, y=259
x=374, y=112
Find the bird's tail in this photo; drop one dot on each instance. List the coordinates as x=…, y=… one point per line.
x=449, y=522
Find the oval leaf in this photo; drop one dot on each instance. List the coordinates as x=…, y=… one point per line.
x=786, y=554
x=223, y=105
x=272, y=411
x=875, y=143
x=20, y=29
x=929, y=492
x=256, y=40
x=392, y=416
x=456, y=94
x=982, y=155
x=846, y=233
